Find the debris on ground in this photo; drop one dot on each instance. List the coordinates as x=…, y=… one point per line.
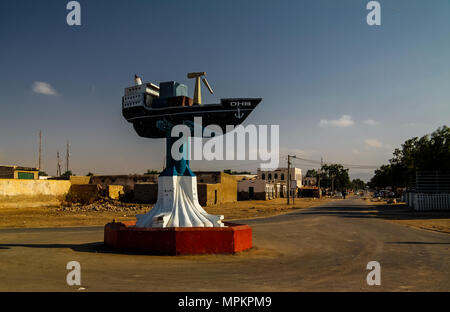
x=100, y=205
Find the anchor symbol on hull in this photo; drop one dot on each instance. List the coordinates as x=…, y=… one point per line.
x=238, y=115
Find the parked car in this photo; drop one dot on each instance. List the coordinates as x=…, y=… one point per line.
x=384, y=194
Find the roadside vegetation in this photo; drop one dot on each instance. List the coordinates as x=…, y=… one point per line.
x=430, y=152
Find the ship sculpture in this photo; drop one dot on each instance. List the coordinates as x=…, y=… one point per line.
x=154, y=111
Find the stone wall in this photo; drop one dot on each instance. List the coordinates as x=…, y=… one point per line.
x=16, y=187
x=84, y=193
x=32, y=193
x=115, y=191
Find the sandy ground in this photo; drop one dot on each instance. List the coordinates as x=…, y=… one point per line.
x=400, y=214
x=33, y=215
x=29, y=216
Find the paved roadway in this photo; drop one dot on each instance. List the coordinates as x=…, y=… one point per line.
x=325, y=248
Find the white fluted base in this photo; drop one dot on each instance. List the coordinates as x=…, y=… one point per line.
x=177, y=206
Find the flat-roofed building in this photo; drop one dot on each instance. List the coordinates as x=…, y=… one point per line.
x=280, y=175
x=256, y=189
x=18, y=172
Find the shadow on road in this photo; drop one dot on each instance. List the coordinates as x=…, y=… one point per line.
x=389, y=212
x=98, y=247
x=417, y=243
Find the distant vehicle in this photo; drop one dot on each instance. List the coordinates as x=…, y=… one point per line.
x=338, y=195
x=384, y=194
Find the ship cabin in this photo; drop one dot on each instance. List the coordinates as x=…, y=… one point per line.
x=140, y=95
x=149, y=95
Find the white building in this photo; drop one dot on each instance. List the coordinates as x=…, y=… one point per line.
x=254, y=189
x=249, y=189
x=280, y=175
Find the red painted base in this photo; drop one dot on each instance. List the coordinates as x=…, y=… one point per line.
x=179, y=241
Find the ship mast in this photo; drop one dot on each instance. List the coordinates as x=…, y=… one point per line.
x=197, y=91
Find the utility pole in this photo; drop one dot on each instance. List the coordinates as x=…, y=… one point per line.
x=318, y=176
x=67, y=156
x=288, y=178
x=332, y=184
x=40, y=151
x=58, y=165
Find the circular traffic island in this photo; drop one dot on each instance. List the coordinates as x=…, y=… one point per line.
x=124, y=236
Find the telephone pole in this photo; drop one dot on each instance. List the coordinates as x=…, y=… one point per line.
x=67, y=156
x=332, y=183
x=40, y=151
x=288, y=179
x=58, y=165
x=318, y=176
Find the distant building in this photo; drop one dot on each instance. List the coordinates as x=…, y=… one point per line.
x=214, y=187
x=240, y=177
x=280, y=175
x=255, y=189
x=127, y=181
x=249, y=189
x=18, y=172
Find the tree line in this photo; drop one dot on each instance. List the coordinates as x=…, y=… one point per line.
x=430, y=152
x=335, y=177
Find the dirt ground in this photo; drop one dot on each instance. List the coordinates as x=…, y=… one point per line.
x=29, y=216
x=324, y=248
x=440, y=225
x=399, y=213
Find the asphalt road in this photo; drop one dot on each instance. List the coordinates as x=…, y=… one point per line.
x=325, y=248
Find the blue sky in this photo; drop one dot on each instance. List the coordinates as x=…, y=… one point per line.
x=338, y=88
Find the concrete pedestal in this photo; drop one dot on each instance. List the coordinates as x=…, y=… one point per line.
x=178, y=240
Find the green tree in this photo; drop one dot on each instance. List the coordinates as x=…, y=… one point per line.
x=151, y=171
x=311, y=173
x=42, y=174
x=334, y=175
x=430, y=152
x=358, y=184
x=67, y=174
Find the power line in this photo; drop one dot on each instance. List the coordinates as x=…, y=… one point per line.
x=350, y=166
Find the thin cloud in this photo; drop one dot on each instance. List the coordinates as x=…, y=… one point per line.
x=44, y=88
x=371, y=122
x=374, y=143
x=344, y=121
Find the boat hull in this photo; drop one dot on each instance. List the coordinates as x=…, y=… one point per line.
x=228, y=112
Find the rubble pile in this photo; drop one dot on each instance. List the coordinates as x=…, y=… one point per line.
x=103, y=204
